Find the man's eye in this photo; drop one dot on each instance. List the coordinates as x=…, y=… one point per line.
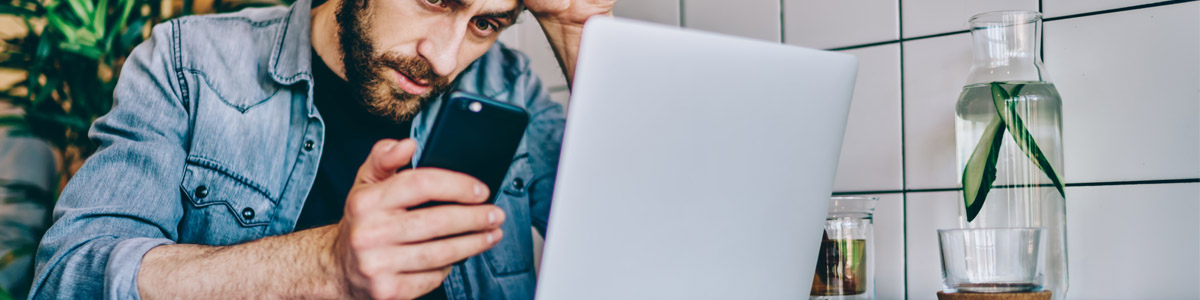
x=483, y=25
x=435, y=2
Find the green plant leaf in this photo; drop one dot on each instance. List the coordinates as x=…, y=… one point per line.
x=1020, y=133
x=8, y=9
x=87, y=6
x=4, y=294
x=40, y=58
x=125, y=10
x=65, y=120
x=100, y=17
x=13, y=121
x=43, y=94
x=80, y=10
x=84, y=50
x=57, y=23
x=132, y=34
x=980, y=171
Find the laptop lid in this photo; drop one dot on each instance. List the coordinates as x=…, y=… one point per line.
x=694, y=166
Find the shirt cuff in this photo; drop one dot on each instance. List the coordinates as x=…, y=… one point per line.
x=120, y=274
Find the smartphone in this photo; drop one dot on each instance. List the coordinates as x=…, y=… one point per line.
x=476, y=136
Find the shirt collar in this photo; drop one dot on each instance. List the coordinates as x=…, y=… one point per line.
x=291, y=59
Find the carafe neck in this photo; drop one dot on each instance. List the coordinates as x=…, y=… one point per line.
x=1005, y=47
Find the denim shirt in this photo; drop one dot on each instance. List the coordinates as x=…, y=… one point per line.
x=214, y=140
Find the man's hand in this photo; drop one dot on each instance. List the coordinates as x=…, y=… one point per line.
x=562, y=21
x=386, y=251
x=379, y=250
x=568, y=12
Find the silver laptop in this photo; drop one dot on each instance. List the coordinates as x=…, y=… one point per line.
x=694, y=166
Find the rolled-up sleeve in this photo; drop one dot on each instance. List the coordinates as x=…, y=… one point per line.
x=125, y=199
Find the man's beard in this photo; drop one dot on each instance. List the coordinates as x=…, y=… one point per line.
x=370, y=74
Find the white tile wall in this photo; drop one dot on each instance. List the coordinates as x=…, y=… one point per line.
x=889, y=246
x=1134, y=242
x=657, y=11
x=561, y=95
x=1138, y=123
x=511, y=36
x=870, y=159
x=925, y=17
x=824, y=24
x=935, y=70
x=529, y=38
x=759, y=19
x=925, y=213
x=539, y=244
x=1130, y=82
x=1110, y=230
x=1058, y=8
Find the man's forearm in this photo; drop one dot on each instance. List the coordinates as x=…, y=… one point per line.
x=564, y=39
x=297, y=265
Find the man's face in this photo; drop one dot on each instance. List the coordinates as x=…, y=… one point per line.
x=400, y=53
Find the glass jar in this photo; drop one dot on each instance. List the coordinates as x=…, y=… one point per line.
x=846, y=262
x=1009, y=138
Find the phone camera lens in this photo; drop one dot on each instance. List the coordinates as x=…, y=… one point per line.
x=475, y=106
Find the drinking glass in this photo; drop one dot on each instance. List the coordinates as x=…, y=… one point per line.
x=992, y=260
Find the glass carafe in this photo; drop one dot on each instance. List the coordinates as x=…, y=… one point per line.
x=846, y=262
x=1009, y=138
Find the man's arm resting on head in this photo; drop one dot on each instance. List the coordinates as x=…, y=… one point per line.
x=562, y=21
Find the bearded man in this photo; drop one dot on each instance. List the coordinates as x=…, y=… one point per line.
x=264, y=154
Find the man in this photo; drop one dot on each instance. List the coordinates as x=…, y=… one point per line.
x=236, y=140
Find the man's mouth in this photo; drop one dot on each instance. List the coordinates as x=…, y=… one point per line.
x=410, y=85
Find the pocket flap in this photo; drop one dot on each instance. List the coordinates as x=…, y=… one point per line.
x=204, y=187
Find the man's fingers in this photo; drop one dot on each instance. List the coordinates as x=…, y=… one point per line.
x=386, y=157
x=417, y=284
x=417, y=186
x=432, y=255
x=406, y=285
x=429, y=224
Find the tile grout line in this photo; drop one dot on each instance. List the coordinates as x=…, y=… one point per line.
x=1119, y=9
x=1076, y=184
x=1041, y=36
x=781, y=20
x=681, y=23
x=1067, y=17
x=903, y=146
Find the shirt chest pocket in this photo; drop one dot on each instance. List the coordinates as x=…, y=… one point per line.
x=220, y=208
x=513, y=255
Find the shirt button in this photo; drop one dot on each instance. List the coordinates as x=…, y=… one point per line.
x=248, y=213
x=308, y=145
x=518, y=183
x=201, y=191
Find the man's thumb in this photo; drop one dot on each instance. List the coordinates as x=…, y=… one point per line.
x=386, y=157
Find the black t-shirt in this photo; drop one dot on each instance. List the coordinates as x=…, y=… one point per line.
x=350, y=133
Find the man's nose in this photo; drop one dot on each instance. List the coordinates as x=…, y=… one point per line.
x=441, y=47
